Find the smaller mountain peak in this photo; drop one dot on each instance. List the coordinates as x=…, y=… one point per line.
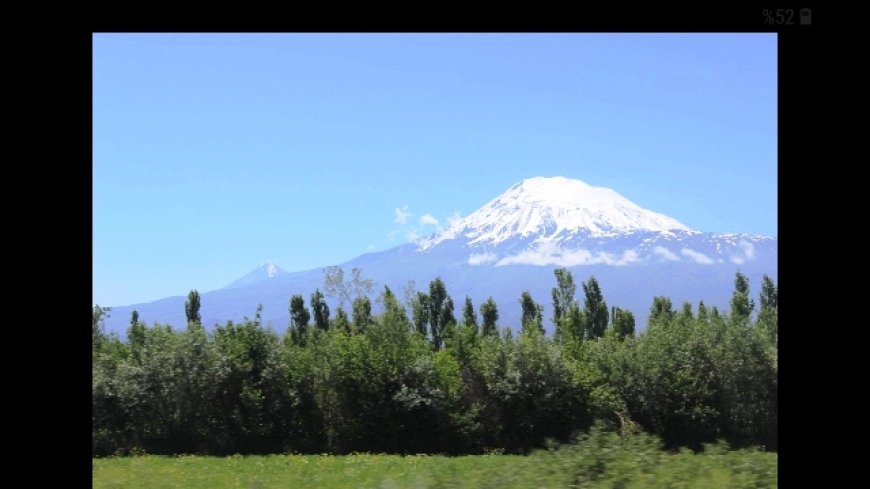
x=271, y=268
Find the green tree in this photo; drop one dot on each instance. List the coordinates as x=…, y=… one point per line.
x=394, y=313
x=661, y=309
x=440, y=311
x=741, y=304
x=341, y=322
x=468, y=315
x=420, y=307
x=686, y=313
x=768, y=297
x=563, y=294
x=321, y=310
x=362, y=314
x=100, y=314
x=299, y=317
x=489, y=313
x=191, y=307
x=448, y=319
x=136, y=335
x=768, y=311
x=594, y=309
x=533, y=313
x=703, y=315
x=623, y=322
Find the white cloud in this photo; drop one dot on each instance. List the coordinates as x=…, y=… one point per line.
x=697, y=256
x=412, y=236
x=748, y=253
x=481, y=258
x=748, y=249
x=454, y=218
x=371, y=247
x=549, y=253
x=629, y=256
x=402, y=215
x=428, y=220
x=666, y=253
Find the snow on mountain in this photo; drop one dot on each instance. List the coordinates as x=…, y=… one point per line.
x=550, y=208
x=266, y=271
x=511, y=245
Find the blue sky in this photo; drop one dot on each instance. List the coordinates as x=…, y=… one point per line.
x=213, y=153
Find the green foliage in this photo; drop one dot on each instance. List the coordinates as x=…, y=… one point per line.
x=191, y=307
x=381, y=385
x=623, y=322
x=321, y=310
x=341, y=322
x=563, y=295
x=533, y=314
x=469, y=318
x=489, y=313
x=299, y=317
x=661, y=310
x=768, y=312
x=741, y=304
x=594, y=310
x=440, y=312
x=420, y=307
x=99, y=316
x=703, y=315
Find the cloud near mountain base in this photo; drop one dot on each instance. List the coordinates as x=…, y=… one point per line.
x=548, y=253
x=482, y=258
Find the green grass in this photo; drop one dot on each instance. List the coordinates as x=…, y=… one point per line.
x=596, y=464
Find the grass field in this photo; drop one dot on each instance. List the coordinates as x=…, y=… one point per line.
x=593, y=465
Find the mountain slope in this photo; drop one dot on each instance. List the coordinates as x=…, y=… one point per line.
x=266, y=271
x=555, y=207
x=512, y=244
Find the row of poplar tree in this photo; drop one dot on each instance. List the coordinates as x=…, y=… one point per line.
x=428, y=382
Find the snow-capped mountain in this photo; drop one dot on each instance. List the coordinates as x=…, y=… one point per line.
x=552, y=209
x=266, y=271
x=512, y=244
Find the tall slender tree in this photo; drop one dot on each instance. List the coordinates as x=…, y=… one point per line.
x=594, y=309
x=489, y=313
x=741, y=304
x=299, y=317
x=191, y=307
x=321, y=310
x=341, y=322
x=768, y=310
x=420, y=306
x=703, y=315
x=468, y=315
x=533, y=313
x=362, y=313
x=438, y=305
x=563, y=294
x=768, y=299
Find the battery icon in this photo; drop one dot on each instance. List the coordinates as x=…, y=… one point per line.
x=806, y=16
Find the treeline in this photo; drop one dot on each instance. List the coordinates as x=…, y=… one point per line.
x=426, y=381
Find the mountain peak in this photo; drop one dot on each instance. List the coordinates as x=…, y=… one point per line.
x=269, y=269
x=549, y=206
